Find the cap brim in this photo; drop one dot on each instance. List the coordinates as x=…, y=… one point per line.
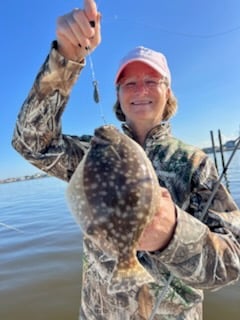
x=149, y=63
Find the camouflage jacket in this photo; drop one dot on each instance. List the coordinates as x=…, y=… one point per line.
x=204, y=253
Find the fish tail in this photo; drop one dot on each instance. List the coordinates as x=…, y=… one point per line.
x=126, y=277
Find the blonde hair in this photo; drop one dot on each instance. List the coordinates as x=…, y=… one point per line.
x=169, y=110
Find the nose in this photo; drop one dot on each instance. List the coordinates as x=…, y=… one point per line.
x=141, y=86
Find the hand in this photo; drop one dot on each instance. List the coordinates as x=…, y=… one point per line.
x=160, y=230
x=78, y=32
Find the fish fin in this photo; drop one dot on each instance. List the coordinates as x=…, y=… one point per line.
x=127, y=278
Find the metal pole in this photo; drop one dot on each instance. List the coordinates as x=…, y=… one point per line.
x=222, y=157
x=210, y=199
x=214, y=150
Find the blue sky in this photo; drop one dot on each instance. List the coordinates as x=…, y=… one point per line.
x=201, y=40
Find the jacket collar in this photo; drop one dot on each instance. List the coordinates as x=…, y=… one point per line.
x=157, y=133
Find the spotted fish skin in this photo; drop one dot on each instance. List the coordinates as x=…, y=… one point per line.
x=113, y=195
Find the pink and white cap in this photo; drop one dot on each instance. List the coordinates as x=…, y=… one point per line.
x=154, y=59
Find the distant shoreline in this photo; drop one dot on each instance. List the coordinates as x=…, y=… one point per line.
x=208, y=150
x=217, y=149
x=24, y=178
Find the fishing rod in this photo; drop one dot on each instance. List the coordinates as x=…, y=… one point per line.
x=161, y=297
x=204, y=212
x=225, y=168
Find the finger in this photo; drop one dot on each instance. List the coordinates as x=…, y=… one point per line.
x=72, y=32
x=94, y=41
x=90, y=9
x=81, y=19
x=165, y=193
x=64, y=31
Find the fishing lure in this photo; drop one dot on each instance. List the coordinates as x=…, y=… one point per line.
x=96, y=96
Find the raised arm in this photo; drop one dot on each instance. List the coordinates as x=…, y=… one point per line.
x=38, y=134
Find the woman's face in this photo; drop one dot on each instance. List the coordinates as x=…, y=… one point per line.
x=142, y=94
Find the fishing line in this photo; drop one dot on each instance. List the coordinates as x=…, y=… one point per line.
x=96, y=95
x=173, y=32
x=10, y=227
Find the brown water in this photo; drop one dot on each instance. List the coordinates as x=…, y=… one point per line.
x=40, y=267
x=223, y=304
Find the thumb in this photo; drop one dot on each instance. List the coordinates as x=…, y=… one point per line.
x=165, y=193
x=90, y=9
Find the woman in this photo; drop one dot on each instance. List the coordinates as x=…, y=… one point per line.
x=200, y=251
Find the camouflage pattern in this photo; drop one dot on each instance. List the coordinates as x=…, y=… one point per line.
x=201, y=255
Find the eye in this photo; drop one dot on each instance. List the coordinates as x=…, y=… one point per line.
x=151, y=82
x=130, y=84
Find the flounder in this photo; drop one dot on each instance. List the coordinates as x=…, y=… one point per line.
x=113, y=195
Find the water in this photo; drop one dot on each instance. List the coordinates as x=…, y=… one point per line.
x=225, y=303
x=40, y=267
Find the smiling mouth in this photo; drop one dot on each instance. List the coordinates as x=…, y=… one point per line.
x=139, y=103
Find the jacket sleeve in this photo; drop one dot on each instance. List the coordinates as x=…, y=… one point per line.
x=38, y=135
x=205, y=254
